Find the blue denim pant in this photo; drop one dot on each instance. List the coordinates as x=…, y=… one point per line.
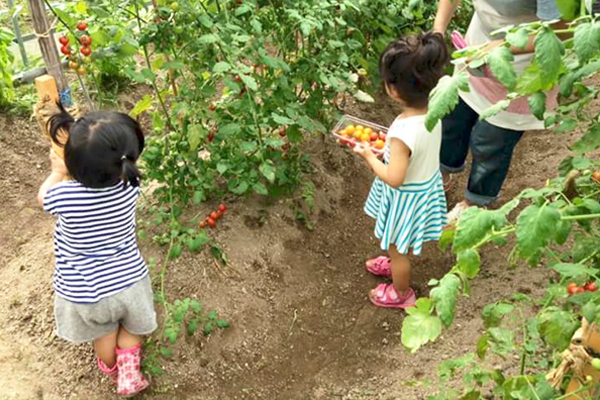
x=492, y=148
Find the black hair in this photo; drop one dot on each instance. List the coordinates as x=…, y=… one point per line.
x=102, y=147
x=413, y=66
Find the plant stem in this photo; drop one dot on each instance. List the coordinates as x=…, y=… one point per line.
x=580, y=217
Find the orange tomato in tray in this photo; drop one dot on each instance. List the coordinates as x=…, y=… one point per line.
x=360, y=128
x=350, y=129
x=365, y=137
x=368, y=130
x=358, y=134
x=379, y=144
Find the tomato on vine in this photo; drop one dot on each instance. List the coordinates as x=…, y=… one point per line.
x=222, y=208
x=82, y=26
x=73, y=65
x=211, y=222
x=596, y=363
x=64, y=40
x=86, y=51
x=591, y=287
x=65, y=50
x=175, y=6
x=596, y=176
x=85, y=40
x=572, y=288
x=214, y=215
x=282, y=132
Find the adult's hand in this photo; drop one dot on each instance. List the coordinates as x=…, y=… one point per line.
x=445, y=12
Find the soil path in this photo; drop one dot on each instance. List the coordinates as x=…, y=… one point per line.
x=302, y=326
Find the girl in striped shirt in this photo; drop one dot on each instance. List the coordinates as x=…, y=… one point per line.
x=103, y=291
x=407, y=198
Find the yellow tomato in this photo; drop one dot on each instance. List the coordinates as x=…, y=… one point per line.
x=365, y=137
x=379, y=144
x=343, y=132
x=358, y=134
x=368, y=130
x=360, y=127
x=350, y=129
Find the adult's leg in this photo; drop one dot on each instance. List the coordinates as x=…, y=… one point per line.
x=492, y=148
x=456, y=134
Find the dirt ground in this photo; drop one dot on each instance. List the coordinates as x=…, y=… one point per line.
x=301, y=323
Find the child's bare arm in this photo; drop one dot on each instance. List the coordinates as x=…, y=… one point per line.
x=393, y=173
x=59, y=170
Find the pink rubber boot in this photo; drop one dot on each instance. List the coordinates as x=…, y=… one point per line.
x=112, y=373
x=131, y=381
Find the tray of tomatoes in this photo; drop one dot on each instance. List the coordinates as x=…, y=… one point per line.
x=351, y=131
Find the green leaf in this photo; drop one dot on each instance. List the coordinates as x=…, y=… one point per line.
x=229, y=129
x=199, y=197
x=495, y=109
x=192, y=327
x=249, y=81
x=447, y=369
x=482, y=346
x=444, y=297
x=586, y=41
x=590, y=140
x=563, y=230
x=569, y=9
x=548, y=54
x=574, y=271
x=537, y=104
x=208, y=328
x=500, y=62
x=493, y=313
x=175, y=251
x=363, y=97
x=590, y=311
x=195, y=135
x=557, y=326
x=221, y=323
x=241, y=188
x=222, y=167
x=243, y=9
x=268, y=171
x=196, y=306
x=173, y=65
x=128, y=49
x=444, y=97
x=419, y=326
x=212, y=315
x=141, y=106
x=447, y=238
x=207, y=39
x=281, y=120
x=261, y=189
x=171, y=334
x=165, y=352
x=501, y=340
x=473, y=226
x=518, y=38
x=468, y=262
x=535, y=226
x=530, y=81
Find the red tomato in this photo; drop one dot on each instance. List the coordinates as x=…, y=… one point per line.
x=212, y=107
x=285, y=147
x=65, y=50
x=282, y=132
x=82, y=25
x=85, y=40
x=591, y=287
x=86, y=51
x=63, y=40
x=382, y=136
x=211, y=136
x=222, y=208
x=580, y=290
x=211, y=222
x=596, y=176
x=351, y=143
x=203, y=224
x=374, y=136
x=214, y=215
x=572, y=288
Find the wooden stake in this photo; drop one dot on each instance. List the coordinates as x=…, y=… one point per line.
x=46, y=106
x=43, y=30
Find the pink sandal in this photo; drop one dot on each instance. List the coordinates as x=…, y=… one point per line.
x=386, y=295
x=379, y=266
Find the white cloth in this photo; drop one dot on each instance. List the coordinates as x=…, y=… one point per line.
x=424, y=146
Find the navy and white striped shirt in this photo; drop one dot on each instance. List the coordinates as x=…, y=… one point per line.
x=94, y=241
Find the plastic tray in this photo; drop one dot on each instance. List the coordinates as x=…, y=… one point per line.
x=347, y=120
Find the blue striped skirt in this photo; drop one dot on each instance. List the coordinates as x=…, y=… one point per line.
x=409, y=215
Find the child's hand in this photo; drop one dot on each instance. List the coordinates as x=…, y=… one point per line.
x=57, y=164
x=364, y=151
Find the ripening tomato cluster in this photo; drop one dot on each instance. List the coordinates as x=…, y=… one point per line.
x=212, y=219
x=76, y=63
x=351, y=135
x=573, y=288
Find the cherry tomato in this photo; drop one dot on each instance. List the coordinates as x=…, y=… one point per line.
x=203, y=224
x=596, y=363
x=596, y=176
x=222, y=208
x=214, y=215
x=85, y=40
x=175, y=6
x=65, y=50
x=374, y=136
x=82, y=70
x=382, y=136
x=73, y=65
x=82, y=25
x=64, y=40
x=580, y=290
x=211, y=136
x=351, y=143
x=379, y=144
x=285, y=147
x=282, y=132
x=238, y=78
x=86, y=51
x=211, y=222
x=591, y=287
x=212, y=107
x=572, y=288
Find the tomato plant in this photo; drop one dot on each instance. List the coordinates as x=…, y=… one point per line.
x=556, y=226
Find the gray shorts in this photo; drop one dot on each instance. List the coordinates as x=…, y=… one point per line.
x=132, y=308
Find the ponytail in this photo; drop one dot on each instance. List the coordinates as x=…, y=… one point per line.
x=56, y=123
x=130, y=174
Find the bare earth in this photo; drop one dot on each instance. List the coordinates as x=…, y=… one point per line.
x=301, y=323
